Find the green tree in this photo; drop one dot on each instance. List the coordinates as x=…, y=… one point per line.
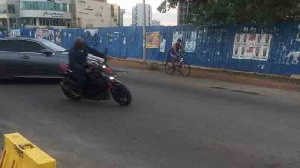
x=207, y=12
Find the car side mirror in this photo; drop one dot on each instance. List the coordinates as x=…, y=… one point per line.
x=47, y=52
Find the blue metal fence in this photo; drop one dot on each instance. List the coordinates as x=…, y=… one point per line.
x=214, y=45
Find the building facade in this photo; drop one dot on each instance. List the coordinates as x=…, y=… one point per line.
x=116, y=14
x=92, y=13
x=138, y=15
x=184, y=9
x=122, y=17
x=35, y=13
x=58, y=13
x=155, y=23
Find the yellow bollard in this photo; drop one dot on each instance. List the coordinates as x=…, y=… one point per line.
x=18, y=152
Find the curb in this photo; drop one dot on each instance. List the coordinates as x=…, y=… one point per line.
x=246, y=78
x=294, y=78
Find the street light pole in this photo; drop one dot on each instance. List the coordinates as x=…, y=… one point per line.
x=144, y=32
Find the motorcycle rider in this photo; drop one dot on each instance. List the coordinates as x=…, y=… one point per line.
x=78, y=62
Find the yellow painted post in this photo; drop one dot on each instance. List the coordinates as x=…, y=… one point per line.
x=18, y=152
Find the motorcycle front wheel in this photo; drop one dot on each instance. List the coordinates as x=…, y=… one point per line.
x=121, y=94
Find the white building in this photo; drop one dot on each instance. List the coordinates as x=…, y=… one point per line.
x=138, y=15
x=92, y=13
x=155, y=23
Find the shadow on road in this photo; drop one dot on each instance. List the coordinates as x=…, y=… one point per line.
x=29, y=81
x=65, y=102
x=88, y=107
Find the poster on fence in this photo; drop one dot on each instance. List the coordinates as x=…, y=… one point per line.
x=50, y=36
x=92, y=31
x=15, y=33
x=191, y=41
x=116, y=36
x=298, y=37
x=163, y=45
x=177, y=35
x=152, y=40
x=252, y=46
x=41, y=33
x=58, y=38
x=110, y=37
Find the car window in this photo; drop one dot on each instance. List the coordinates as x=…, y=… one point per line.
x=9, y=45
x=30, y=46
x=52, y=45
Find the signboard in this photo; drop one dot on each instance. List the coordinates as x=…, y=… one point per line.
x=45, y=14
x=152, y=40
x=252, y=46
x=52, y=14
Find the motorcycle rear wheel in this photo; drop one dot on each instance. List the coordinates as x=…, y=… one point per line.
x=67, y=89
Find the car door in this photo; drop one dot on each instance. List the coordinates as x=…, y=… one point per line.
x=10, y=62
x=54, y=62
x=59, y=57
x=33, y=59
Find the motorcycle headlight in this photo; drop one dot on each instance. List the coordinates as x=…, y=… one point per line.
x=103, y=66
x=112, y=78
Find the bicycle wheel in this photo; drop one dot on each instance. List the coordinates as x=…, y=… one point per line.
x=169, y=68
x=185, y=69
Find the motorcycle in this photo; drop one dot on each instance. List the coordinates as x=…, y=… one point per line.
x=102, y=83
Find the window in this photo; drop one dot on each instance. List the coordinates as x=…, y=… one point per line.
x=29, y=21
x=9, y=45
x=52, y=46
x=11, y=8
x=51, y=6
x=30, y=46
x=53, y=22
x=3, y=9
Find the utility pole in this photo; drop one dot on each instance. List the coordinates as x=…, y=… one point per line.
x=8, y=23
x=144, y=32
x=7, y=19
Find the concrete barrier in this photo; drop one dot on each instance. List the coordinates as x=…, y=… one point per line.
x=18, y=152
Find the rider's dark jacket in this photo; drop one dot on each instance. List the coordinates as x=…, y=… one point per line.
x=77, y=62
x=78, y=57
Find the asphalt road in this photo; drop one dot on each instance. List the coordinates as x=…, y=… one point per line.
x=173, y=122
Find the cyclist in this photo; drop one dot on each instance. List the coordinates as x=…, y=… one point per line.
x=174, y=51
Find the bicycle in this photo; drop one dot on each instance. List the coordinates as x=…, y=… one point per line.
x=179, y=66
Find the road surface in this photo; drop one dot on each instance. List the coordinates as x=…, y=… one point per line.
x=174, y=122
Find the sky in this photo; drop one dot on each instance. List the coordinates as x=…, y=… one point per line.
x=167, y=19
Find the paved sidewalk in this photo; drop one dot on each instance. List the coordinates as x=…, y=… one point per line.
x=270, y=81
